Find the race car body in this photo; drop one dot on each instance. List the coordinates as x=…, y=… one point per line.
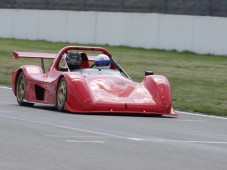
x=89, y=89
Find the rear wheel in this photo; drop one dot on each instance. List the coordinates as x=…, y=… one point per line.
x=20, y=90
x=61, y=94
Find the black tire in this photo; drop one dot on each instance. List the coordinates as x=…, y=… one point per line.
x=61, y=94
x=20, y=90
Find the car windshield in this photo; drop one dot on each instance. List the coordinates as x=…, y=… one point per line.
x=97, y=71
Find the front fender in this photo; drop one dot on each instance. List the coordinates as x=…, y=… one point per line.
x=78, y=94
x=159, y=88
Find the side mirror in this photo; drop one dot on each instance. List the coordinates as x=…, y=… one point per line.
x=149, y=73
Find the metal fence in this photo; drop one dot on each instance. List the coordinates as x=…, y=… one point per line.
x=185, y=7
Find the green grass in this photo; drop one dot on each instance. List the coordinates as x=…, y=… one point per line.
x=198, y=82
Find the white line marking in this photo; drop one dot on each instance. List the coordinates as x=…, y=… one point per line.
x=89, y=131
x=136, y=139
x=8, y=111
x=64, y=127
x=3, y=103
x=211, y=134
x=4, y=87
x=78, y=141
x=71, y=136
x=177, y=141
x=191, y=120
x=202, y=115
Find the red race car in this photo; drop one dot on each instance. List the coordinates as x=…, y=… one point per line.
x=81, y=82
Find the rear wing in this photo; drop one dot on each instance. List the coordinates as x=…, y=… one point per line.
x=18, y=54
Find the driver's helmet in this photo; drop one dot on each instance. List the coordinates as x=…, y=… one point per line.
x=73, y=60
x=102, y=61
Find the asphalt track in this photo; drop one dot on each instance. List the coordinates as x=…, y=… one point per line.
x=40, y=138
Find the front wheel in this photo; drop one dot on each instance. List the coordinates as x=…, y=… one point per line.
x=20, y=90
x=61, y=94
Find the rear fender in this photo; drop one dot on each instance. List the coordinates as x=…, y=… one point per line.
x=15, y=74
x=29, y=72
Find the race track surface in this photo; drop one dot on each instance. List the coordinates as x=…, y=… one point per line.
x=40, y=138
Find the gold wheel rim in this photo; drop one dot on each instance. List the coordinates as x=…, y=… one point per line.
x=21, y=88
x=61, y=94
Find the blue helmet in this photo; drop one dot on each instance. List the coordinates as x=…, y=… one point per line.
x=102, y=61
